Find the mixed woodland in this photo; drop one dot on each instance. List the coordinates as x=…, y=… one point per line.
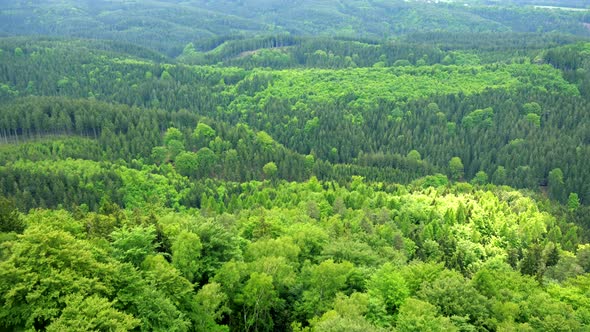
x=294, y=166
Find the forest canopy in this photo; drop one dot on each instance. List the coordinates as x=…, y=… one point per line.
x=294, y=166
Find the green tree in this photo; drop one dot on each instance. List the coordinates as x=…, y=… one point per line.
x=534, y=119
x=347, y=315
x=481, y=118
x=310, y=239
x=206, y=160
x=10, y=220
x=175, y=147
x=144, y=300
x=573, y=202
x=133, y=245
x=433, y=108
x=186, y=251
x=270, y=170
x=387, y=290
x=187, y=163
x=92, y=314
x=258, y=298
x=33, y=286
x=211, y=304
x=159, y=155
x=173, y=134
x=556, y=184
x=322, y=283
x=415, y=316
x=265, y=140
x=532, y=108
x=219, y=245
x=203, y=134
x=499, y=176
x=309, y=163
x=583, y=257
x=480, y=178
x=166, y=76
x=454, y=296
x=168, y=281
x=414, y=156
x=456, y=168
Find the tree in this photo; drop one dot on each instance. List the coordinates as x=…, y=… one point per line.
x=173, y=134
x=186, y=251
x=583, y=257
x=163, y=277
x=258, y=298
x=533, y=263
x=175, y=147
x=573, y=202
x=265, y=140
x=556, y=184
x=415, y=316
x=144, y=300
x=211, y=306
x=270, y=170
x=206, y=160
x=187, y=164
x=218, y=246
x=499, y=176
x=387, y=290
x=456, y=168
x=433, y=108
x=534, y=119
x=133, y=245
x=309, y=163
x=347, y=315
x=203, y=134
x=532, y=108
x=92, y=314
x=32, y=286
x=311, y=240
x=10, y=220
x=414, y=156
x=480, y=178
x=333, y=155
x=159, y=155
x=339, y=207
x=322, y=283
x=481, y=118
x=166, y=76
x=454, y=296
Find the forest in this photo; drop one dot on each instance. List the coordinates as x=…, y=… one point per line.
x=298, y=166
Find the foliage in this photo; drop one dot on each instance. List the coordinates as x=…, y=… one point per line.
x=305, y=166
x=10, y=220
x=177, y=28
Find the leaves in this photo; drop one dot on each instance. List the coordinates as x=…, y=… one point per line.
x=42, y=266
x=134, y=245
x=186, y=251
x=92, y=314
x=10, y=220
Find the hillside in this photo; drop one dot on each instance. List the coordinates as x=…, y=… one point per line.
x=353, y=165
x=380, y=113
x=168, y=26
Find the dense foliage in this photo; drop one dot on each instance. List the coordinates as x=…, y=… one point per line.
x=264, y=256
x=504, y=119
x=168, y=25
x=294, y=166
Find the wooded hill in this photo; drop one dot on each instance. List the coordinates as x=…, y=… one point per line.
x=294, y=166
x=168, y=25
x=504, y=119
